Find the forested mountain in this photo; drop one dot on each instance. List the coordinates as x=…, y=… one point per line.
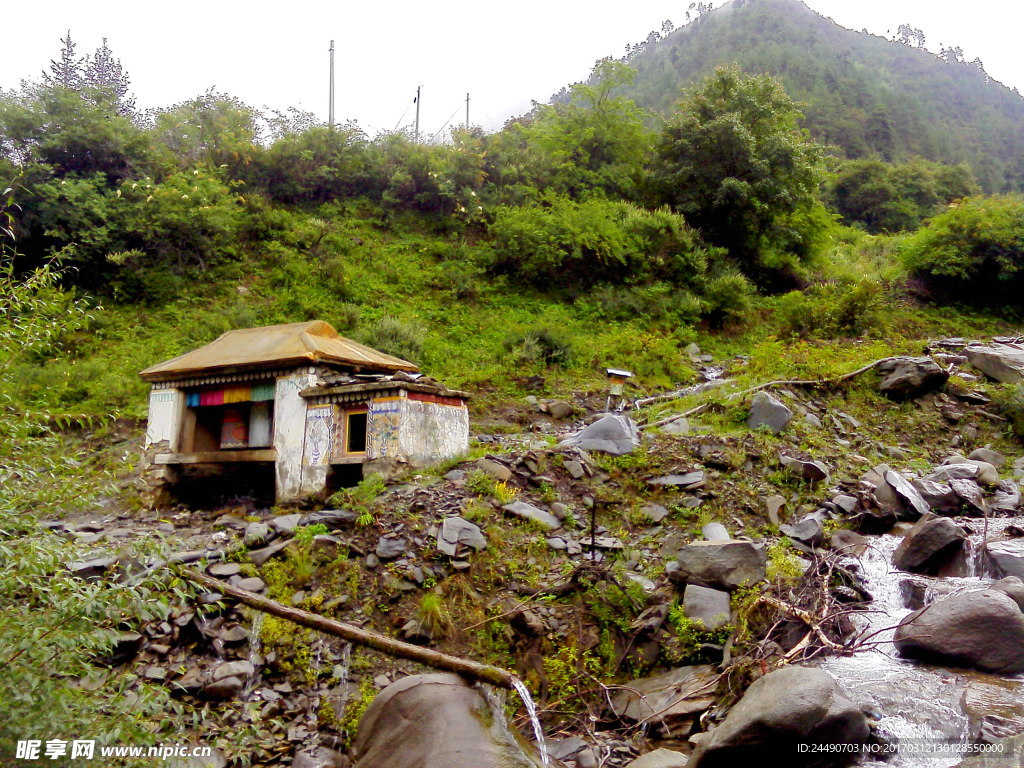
x=866, y=95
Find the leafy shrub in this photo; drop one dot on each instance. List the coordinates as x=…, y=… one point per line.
x=974, y=252
x=395, y=337
x=832, y=310
x=564, y=242
x=540, y=345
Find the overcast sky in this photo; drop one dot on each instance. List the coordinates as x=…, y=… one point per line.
x=503, y=54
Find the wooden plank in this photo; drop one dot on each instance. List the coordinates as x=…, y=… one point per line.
x=216, y=457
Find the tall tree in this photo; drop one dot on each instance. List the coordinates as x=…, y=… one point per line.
x=67, y=71
x=104, y=76
x=735, y=162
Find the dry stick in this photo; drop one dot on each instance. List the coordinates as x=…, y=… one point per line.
x=471, y=669
x=766, y=385
x=803, y=616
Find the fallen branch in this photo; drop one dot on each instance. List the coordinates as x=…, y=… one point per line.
x=805, y=617
x=769, y=384
x=431, y=658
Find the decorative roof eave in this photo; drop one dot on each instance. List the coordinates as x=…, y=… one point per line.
x=375, y=387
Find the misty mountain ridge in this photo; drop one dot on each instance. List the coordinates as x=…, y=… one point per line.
x=865, y=95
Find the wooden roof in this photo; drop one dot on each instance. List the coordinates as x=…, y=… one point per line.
x=274, y=346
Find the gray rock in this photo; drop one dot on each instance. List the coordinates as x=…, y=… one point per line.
x=260, y=556
x=1012, y=587
x=660, y=758
x=333, y=519
x=285, y=524
x=715, y=532
x=1002, y=362
x=257, y=533
x=224, y=689
x=455, y=532
x=562, y=749
x=1006, y=498
x=940, y=497
x=905, y=378
x=886, y=496
x=811, y=471
x=668, y=702
x=848, y=542
x=785, y=708
x=720, y=565
x=1008, y=557
x=575, y=469
x=389, y=547
x=559, y=409
x=812, y=420
x=91, y=570
x=224, y=570
x=457, y=476
x=328, y=546
x=768, y=411
x=982, y=629
x=807, y=530
x=495, y=469
x=846, y=503
x=436, y=721
x=689, y=481
x=995, y=458
x=913, y=502
x=613, y=433
x=773, y=504
x=929, y=545
x=654, y=512
x=321, y=757
x=710, y=606
x=241, y=669
x=1010, y=755
x=680, y=426
x=252, y=584
x=533, y=514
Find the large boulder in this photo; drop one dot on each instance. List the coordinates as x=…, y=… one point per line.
x=669, y=703
x=1002, y=362
x=612, y=434
x=768, y=411
x=1008, y=557
x=780, y=711
x=720, y=564
x=904, y=378
x=929, y=545
x=983, y=629
x=436, y=721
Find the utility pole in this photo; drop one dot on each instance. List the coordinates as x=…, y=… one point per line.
x=467, y=111
x=418, y=87
x=330, y=103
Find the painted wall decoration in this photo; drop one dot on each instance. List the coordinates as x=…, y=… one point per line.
x=382, y=428
x=431, y=430
x=319, y=435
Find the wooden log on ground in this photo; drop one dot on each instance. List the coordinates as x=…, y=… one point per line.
x=378, y=642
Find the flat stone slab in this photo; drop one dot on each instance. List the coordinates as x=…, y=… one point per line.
x=533, y=514
x=689, y=481
x=456, y=531
x=709, y=606
x=670, y=699
x=612, y=434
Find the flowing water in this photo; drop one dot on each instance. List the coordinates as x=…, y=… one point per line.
x=255, y=657
x=917, y=705
x=531, y=710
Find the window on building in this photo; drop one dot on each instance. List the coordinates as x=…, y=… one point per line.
x=355, y=432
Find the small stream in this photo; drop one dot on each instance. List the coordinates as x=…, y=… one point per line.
x=912, y=701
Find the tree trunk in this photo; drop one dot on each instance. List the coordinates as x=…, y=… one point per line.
x=470, y=669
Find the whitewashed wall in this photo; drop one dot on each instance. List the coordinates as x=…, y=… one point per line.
x=166, y=407
x=429, y=432
x=294, y=479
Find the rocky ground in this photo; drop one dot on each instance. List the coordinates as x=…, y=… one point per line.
x=639, y=579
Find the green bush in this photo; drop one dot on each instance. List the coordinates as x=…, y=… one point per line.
x=395, y=337
x=539, y=345
x=974, y=252
x=832, y=310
